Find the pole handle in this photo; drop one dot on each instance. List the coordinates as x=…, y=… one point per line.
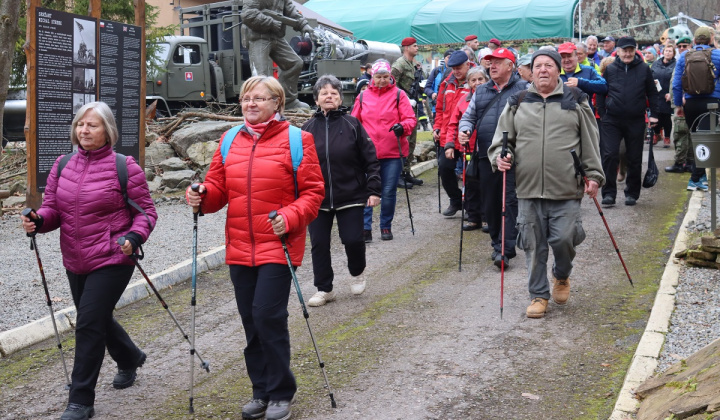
x=503, y=151
x=195, y=187
x=32, y=215
x=578, y=165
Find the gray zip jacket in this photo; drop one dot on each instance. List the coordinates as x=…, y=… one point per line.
x=541, y=133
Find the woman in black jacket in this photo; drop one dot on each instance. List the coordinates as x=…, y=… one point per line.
x=662, y=70
x=352, y=181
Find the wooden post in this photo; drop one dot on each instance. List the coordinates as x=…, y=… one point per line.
x=140, y=21
x=94, y=9
x=33, y=198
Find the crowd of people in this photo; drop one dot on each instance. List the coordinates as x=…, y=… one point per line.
x=509, y=121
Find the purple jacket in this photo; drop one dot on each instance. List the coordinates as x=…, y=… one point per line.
x=88, y=207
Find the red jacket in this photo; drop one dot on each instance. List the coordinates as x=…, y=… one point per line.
x=452, y=127
x=449, y=94
x=380, y=110
x=257, y=178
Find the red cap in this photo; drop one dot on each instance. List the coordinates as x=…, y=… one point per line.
x=470, y=38
x=501, y=53
x=567, y=48
x=408, y=41
x=496, y=42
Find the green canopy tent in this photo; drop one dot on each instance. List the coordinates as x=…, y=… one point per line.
x=448, y=21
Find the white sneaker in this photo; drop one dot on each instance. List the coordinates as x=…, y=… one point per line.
x=358, y=286
x=321, y=298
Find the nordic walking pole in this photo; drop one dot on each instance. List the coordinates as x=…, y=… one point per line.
x=437, y=155
x=402, y=174
x=579, y=170
x=503, y=153
x=273, y=214
x=205, y=365
x=462, y=212
x=193, y=294
x=30, y=214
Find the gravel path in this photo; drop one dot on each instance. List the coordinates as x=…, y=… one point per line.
x=22, y=299
x=694, y=323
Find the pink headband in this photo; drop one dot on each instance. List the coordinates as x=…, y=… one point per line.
x=380, y=66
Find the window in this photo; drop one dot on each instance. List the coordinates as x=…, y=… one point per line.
x=186, y=54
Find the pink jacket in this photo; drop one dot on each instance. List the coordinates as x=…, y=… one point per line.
x=380, y=110
x=88, y=207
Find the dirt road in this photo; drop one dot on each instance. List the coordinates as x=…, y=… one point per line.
x=424, y=342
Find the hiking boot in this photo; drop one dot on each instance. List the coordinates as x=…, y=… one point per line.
x=367, y=236
x=675, y=169
x=358, y=285
x=451, y=210
x=494, y=255
x=666, y=143
x=537, y=308
x=471, y=226
x=608, y=201
x=485, y=228
x=78, y=412
x=321, y=298
x=404, y=184
x=630, y=201
x=279, y=410
x=688, y=167
x=561, y=290
x=126, y=377
x=255, y=409
x=499, y=261
x=386, y=234
x=415, y=181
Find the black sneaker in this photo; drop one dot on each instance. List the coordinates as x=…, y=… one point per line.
x=279, y=410
x=494, y=255
x=126, y=377
x=367, y=235
x=404, y=184
x=451, y=210
x=498, y=261
x=485, y=228
x=608, y=201
x=630, y=201
x=675, y=169
x=386, y=234
x=78, y=412
x=471, y=226
x=255, y=409
x=415, y=181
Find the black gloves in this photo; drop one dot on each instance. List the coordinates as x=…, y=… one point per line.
x=135, y=240
x=398, y=129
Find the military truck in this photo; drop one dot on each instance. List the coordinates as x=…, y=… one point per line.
x=208, y=62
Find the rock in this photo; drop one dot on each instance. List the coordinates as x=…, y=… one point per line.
x=425, y=151
x=156, y=153
x=150, y=137
x=17, y=187
x=201, y=154
x=702, y=263
x=173, y=164
x=149, y=174
x=177, y=179
x=710, y=241
x=14, y=201
x=154, y=184
x=199, y=132
x=702, y=255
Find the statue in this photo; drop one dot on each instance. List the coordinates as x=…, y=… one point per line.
x=263, y=34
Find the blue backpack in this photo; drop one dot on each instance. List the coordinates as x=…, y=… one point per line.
x=296, y=147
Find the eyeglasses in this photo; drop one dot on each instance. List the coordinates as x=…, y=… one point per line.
x=257, y=100
x=683, y=46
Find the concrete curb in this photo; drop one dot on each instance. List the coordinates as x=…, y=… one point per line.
x=42, y=329
x=646, y=356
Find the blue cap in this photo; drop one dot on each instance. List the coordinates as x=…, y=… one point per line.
x=457, y=58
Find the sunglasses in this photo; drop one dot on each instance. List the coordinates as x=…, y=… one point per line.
x=683, y=46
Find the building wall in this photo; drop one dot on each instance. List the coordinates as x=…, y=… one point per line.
x=168, y=10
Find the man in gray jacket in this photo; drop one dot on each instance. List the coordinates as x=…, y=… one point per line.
x=544, y=124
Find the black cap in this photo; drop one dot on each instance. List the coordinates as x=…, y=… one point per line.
x=626, y=41
x=448, y=53
x=550, y=53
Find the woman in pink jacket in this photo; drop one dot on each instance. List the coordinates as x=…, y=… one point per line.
x=85, y=201
x=386, y=113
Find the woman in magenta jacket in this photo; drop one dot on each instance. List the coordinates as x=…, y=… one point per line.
x=386, y=113
x=87, y=204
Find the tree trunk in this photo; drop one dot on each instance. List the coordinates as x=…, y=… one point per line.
x=9, y=32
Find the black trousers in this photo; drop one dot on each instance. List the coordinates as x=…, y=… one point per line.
x=446, y=167
x=95, y=296
x=350, y=228
x=664, y=124
x=694, y=108
x=473, y=200
x=492, y=205
x=262, y=295
x=614, y=130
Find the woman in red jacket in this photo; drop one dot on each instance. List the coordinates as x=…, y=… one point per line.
x=257, y=178
x=386, y=113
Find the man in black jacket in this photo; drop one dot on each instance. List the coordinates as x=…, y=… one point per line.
x=622, y=111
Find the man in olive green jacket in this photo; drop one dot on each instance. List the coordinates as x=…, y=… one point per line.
x=544, y=123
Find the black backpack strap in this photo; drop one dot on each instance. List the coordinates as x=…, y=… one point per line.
x=121, y=165
x=360, y=100
x=65, y=159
